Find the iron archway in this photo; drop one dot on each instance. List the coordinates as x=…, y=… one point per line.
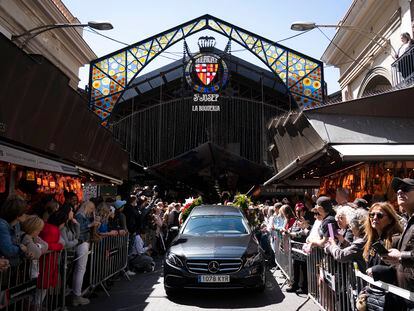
x=110, y=75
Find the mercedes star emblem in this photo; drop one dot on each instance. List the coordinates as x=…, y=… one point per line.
x=213, y=266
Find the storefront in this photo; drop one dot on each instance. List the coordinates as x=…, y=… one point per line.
x=29, y=173
x=359, y=145
x=49, y=140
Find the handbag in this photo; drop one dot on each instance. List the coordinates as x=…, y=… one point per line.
x=361, y=301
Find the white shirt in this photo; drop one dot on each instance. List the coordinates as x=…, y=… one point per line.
x=138, y=247
x=403, y=48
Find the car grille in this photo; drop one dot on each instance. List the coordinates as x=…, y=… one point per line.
x=226, y=265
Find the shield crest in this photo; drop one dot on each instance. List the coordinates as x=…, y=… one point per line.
x=206, y=72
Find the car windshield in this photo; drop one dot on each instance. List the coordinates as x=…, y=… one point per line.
x=204, y=225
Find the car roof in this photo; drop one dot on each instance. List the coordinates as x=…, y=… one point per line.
x=220, y=210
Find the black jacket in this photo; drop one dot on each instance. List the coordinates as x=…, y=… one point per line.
x=133, y=218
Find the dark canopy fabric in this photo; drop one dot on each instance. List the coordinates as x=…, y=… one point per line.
x=207, y=162
x=39, y=110
x=382, y=119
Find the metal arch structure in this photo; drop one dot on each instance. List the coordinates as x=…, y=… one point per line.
x=110, y=75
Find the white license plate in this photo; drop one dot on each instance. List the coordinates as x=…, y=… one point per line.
x=214, y=278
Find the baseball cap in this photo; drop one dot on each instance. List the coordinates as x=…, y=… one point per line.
x=299, y=206
x=119, y=203
x=397, y=183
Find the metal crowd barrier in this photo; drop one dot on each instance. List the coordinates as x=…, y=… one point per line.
x=332, y=285
x=365, y=279
x=330, y=282
x=35, y=284
x=283, y=256
x=109, y=256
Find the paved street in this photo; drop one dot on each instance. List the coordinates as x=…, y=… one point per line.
x=146, y=292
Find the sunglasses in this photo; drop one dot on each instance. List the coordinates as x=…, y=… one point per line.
x=406, y=188
x=379, y=215
x=316, y=213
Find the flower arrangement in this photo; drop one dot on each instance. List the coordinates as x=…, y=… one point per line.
x=188, y=207
x=242, y=201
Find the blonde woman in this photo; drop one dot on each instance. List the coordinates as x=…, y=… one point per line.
x=105, y=213
x=85, y=218
x=32, y=227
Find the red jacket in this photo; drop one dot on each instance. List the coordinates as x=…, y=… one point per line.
x=49, y=263
x=290, y=223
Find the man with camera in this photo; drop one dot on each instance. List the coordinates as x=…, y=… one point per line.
x=403, y=256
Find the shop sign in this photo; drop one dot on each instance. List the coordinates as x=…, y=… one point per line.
x=206, y=73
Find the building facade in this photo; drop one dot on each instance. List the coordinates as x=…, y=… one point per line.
x=65, y=48
x=365, y=54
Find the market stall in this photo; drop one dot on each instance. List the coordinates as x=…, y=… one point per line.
x=359, y=145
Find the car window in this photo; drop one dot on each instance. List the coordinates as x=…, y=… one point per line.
x=204, y=225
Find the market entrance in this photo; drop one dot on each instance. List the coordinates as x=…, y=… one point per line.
x=209, y=97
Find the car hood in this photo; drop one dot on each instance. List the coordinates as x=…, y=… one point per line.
x=213, y=246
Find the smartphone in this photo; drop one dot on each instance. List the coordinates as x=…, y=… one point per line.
x=379, y=248
x=331, y=231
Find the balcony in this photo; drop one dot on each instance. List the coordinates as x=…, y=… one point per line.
x=403, y=70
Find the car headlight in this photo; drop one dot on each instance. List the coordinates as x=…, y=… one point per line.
x=253, y=259
x=174, y=260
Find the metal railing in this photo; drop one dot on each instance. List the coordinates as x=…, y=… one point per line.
x=109, y=256
x=41, y=284
x=332, y=285
x=283, y=257
x=35, y=284
x=403, y=69
x=330, y=282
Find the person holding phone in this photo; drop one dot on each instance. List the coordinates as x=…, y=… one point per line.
x=325, y=213
x=402, y=257
x=380, y=228
x=353, y=252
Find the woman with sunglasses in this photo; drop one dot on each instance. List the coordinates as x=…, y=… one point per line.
x=381, y=225
x=380, y=228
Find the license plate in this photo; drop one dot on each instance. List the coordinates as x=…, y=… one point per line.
x=214, y=278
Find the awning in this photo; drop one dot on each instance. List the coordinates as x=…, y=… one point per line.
x=295, y=166
x=111, y=179
x=375, y=152
x=15, y=156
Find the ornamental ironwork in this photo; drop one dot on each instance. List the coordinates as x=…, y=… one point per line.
x=111, y=75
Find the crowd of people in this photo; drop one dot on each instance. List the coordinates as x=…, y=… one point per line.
x=378, y=236
x=36, y=230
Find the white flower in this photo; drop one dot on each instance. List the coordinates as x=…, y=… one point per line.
x=188, y=200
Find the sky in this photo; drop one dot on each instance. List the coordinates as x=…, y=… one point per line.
x=135, y=20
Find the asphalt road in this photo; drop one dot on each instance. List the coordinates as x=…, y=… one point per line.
x=146, y=292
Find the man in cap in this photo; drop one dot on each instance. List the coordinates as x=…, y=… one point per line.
x=403, y=256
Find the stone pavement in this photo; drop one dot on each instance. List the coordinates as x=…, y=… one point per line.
x=146, y=292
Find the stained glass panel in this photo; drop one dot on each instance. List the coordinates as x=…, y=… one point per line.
x=111, y=76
